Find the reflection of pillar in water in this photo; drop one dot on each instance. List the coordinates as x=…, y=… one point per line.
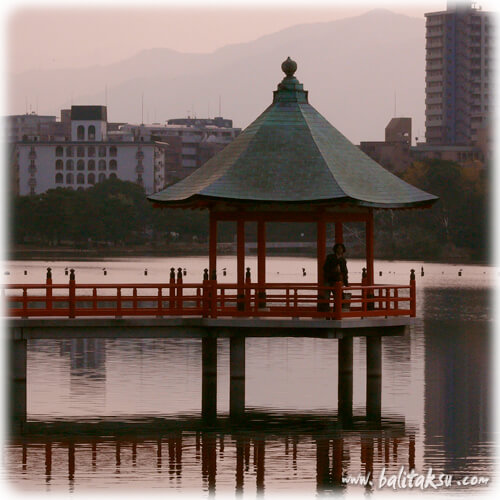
x=209, y=461
x=178, y=455
x=134, y=453
x=373, y=377
x=259, y=450
x=24, y=457
x=94, y=455
x=197, y=445
x=322, y=464
x=209, y=378
x=240, y=452
x=337, y=452
x=295, y=441
x=48, y=462
x=367, y=459
x=71, y=463
x=158, y=455
x=175, y=455
x=171, y=455
x=411, y=452
x=118, y=456
x=345, y=378
x=247, y=456
x=387, y=443
x=237, y=376
x=395, y=449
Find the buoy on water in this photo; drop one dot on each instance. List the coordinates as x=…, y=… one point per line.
x=104, y=271
x=145, y=272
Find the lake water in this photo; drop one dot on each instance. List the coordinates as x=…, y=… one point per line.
x=125, y=413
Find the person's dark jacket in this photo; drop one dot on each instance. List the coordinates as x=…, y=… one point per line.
x=335, y=269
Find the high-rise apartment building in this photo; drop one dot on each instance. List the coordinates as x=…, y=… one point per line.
x=459, y=74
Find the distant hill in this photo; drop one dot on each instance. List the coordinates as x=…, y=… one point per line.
x=353, y=68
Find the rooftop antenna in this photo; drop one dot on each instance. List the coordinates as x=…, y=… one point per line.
x=26, y=103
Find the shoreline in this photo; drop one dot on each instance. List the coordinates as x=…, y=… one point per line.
x=75, y=254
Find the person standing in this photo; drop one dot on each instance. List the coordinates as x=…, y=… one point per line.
x=335, y=267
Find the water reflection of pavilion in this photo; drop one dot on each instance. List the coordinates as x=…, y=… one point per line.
x=329, y=457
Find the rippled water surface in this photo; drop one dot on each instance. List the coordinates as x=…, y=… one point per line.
x=111, y=414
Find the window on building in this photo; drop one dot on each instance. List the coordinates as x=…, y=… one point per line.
x=80, y=132
x=113, y=151
x=59, y=151
x=69, y=151
x=91, y=179
x=80, y=165
x=59, y=178
x=59, y=165
x=91, y=133
x=113, y=165
x=91, y=151
x=102, y=177
x=102, y=165
x=80, y=179
x=69, y=164
x=69, y=178
x=91, y=165
x=80, y=151
x=102, y=151
x=112, y=176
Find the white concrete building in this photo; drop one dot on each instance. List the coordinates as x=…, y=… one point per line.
x=89, y=156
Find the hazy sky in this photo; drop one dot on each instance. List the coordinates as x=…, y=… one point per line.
x=43, y=35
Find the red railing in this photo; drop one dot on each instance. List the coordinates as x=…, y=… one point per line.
x=208, y=299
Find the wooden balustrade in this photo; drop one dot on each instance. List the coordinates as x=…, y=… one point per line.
x=209, y=299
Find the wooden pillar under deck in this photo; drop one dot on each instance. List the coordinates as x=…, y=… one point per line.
x=345, y=361
x=209, y=378
x=373, y=377
x=18, y=357
x=236, y=377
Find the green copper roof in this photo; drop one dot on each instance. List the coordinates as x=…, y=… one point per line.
x=292, y=154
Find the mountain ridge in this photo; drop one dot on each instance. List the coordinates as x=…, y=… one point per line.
x=379, y=47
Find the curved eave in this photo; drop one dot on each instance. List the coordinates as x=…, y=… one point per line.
x=201, y=202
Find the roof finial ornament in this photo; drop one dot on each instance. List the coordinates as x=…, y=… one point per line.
x=289, y=67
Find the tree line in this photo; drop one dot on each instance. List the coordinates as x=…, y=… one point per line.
x=117, y=213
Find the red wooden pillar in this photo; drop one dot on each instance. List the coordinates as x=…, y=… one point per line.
x=321, y=248
x=261, y=261
x=240, y=259
x=212, y=250
x=339, y=232
x=369, y=248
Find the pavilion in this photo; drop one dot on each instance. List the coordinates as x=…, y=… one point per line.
x=291, y=165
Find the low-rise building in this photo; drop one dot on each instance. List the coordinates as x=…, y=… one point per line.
x=192, y=141
x=90, y=154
